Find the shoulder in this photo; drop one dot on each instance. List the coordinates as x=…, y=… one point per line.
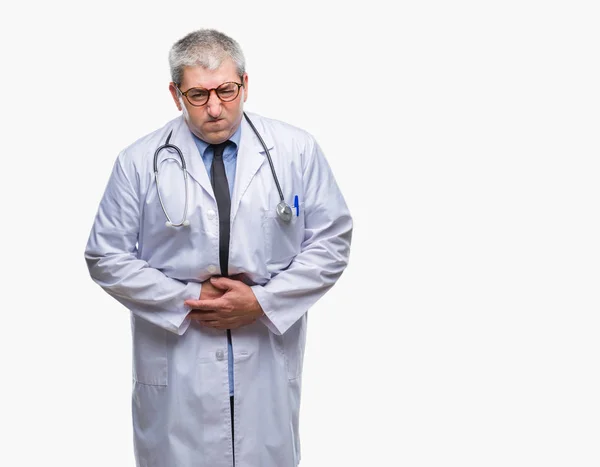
x=278, y=127
x=284, y=134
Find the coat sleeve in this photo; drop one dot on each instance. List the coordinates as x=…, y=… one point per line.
x=325, y=250
x=111, y=256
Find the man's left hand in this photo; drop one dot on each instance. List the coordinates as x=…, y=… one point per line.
x=237, y=307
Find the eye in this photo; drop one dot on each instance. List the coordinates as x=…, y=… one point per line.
x=197, y=94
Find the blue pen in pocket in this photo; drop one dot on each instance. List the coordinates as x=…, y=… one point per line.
x=296, y=205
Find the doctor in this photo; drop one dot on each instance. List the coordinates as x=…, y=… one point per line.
x=219, y=296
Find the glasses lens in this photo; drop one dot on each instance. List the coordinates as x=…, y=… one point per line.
x=228, y=91
x=197, y=96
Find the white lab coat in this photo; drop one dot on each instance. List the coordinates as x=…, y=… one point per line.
x=181, y=414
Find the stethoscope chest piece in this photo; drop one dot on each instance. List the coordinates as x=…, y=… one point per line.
x=284, y=211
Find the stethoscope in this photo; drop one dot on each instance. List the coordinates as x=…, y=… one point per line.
x=284, y=211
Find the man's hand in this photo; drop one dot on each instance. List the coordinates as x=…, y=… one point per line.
x=209, y=291
x=229, y=304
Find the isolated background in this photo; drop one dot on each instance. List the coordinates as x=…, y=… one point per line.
x=464, y=136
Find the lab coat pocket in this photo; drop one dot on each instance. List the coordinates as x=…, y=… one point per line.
x=149, y=353
x=283, y=240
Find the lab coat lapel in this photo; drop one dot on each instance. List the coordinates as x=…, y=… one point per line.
x=182, y=137
x=251, y=155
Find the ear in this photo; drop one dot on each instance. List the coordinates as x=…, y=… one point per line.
x=175, y=95
x=245, y=81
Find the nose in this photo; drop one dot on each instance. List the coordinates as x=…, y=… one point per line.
x=213, y=106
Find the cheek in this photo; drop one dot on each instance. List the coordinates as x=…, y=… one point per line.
x=234, y=108
x=194, y=114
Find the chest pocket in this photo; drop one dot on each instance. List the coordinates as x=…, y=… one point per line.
x=283, y=240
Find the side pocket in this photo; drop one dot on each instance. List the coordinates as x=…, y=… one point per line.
x=149, y=353
x=294, y=342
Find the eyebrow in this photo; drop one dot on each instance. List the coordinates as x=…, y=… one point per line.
x=205, y=87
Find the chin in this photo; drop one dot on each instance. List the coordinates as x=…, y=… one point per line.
x=216, y=137
x=218, y=132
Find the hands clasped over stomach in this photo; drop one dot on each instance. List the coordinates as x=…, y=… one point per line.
x=225, y=303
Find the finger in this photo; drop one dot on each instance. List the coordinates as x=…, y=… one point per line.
x=235, y=323
x=214, y=324
x=208, y=286
x=209, y=324
x=203, y=315
x=223, y=283
x=239, y=323
x=227, y=323
x=207, y=304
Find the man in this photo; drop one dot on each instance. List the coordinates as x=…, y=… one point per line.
x=219, y=292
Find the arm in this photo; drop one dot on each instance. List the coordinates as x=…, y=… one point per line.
x=325, y=249
x=111, y=256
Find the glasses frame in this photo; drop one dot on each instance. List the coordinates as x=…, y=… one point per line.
x=239, y=86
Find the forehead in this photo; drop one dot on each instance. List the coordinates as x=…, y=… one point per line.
x=197, y=76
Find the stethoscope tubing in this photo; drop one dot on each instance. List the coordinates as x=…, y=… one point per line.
x=268, y=156
x=284, y=211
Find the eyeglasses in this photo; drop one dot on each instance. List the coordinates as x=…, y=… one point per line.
x=227, y=92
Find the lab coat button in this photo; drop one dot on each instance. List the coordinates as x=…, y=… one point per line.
x=210, y=214
x=220, y=355
x=212, y=269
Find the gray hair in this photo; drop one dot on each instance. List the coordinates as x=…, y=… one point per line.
x=206, y=48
